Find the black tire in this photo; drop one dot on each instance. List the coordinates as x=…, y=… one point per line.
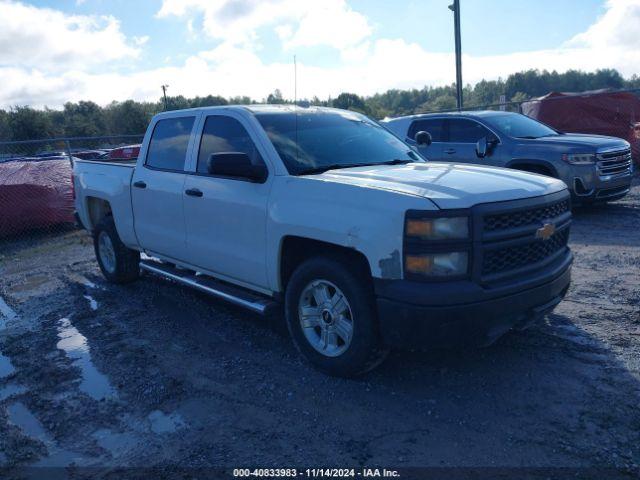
x=126, y=266
x=365, y=350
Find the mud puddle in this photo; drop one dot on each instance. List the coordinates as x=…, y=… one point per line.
x=76, y=347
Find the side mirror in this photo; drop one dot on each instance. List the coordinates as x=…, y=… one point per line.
x=423, y=139
x=236, y=165
x=481, y=147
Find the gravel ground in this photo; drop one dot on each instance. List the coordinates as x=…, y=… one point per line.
x=155, y=374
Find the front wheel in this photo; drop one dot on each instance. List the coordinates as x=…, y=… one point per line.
x=118, y=263
x=331, y=317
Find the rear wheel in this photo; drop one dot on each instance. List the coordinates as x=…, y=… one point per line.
x=118, y=263
x=331, y=317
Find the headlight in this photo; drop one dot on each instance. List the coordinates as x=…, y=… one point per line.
x=438, y=228
x=437, y=264
x=579, y=158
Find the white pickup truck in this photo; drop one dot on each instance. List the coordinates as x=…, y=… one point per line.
x=365, y=244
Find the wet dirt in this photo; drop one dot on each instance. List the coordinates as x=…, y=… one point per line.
x=155, y=374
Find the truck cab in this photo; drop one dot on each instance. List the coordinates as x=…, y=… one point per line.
x=364, y=243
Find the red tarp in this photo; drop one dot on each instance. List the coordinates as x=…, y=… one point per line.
x=616, y=114
x=35, y=194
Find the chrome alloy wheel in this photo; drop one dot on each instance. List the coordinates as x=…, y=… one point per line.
x=325, y=317
x=107, y=252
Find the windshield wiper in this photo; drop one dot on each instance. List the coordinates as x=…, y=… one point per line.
x=324, y=168
x=336, y=166
x=397, y=161
x=529, y=137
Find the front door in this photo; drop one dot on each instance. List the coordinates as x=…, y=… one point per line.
x=461, y=142
x=157, y=189
x=226, y=217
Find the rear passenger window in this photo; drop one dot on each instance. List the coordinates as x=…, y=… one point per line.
x=169, y=142
x=433, y=126
x=224, y=135
x=466, y=131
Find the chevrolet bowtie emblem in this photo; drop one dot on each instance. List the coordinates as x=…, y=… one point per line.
x=547, y=230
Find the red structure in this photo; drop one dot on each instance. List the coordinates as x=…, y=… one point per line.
x=130, y=152
x=600, y=112
x=35, y=194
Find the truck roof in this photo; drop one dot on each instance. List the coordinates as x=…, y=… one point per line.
x=257, y=108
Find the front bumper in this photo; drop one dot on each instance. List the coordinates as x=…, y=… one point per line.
x=590, y=183
x=446, y=314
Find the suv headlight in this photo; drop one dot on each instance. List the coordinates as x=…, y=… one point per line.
x=437, y=245
x=579, y=158
x=438, y=228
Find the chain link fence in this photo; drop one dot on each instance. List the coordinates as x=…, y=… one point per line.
x=36, y=189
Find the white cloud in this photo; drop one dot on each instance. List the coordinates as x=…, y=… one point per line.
x=365, y=65
x=617, y=28
x=326, y=22
x=46, y=38
x=139, y=41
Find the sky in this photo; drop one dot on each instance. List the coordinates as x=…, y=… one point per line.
x=55, y=51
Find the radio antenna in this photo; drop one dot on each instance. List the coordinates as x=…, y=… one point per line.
x=295, y=102
x=295, y=81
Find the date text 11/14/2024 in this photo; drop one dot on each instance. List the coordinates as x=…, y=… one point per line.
x=316, y=472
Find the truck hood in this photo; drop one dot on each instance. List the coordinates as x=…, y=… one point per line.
x=588, y=143
x=448, y=185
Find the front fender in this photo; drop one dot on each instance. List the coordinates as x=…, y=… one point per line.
x=368, y=220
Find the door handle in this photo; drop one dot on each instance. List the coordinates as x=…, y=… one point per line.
x=450, y=151
x=193, y=192
x=140, y=184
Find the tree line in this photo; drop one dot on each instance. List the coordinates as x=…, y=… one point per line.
x=86, y=118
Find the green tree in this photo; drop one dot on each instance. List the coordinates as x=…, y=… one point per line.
x=350, y=101
x=83, y=119
x=275, y=97
x=129, y=118
x=5, y=126
x=27, y=123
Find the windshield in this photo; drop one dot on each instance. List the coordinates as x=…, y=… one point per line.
x=520, y=126
x=331, y=139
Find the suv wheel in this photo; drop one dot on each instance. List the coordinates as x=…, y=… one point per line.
x=331, y=317
x=118, y=263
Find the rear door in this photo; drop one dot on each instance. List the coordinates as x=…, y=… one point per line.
x=435, y=126
x=158, y=185
x=226, y=218
x=463, y=135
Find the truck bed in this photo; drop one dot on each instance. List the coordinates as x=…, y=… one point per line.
x=100, y=183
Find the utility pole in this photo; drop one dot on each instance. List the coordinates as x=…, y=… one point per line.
x=164, y=92
x=455, y=8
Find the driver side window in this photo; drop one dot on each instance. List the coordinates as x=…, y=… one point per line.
x=466, y=131
x=222, y=134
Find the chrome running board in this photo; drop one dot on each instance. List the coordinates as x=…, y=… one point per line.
x=232, y=294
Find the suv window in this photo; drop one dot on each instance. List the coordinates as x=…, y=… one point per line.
x=466, y=131
x=434, y=126
x=169, y=142
x=222, y=135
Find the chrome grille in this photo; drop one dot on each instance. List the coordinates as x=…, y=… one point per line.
x=614, y=163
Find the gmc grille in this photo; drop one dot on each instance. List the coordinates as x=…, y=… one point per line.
x=614, y=163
